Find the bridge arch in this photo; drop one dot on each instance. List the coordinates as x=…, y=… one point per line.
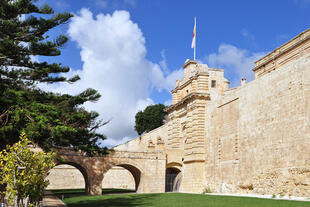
x=147, y=168
x=133, y=167
x=81, y=169
x=136, y=173
x=174, y=165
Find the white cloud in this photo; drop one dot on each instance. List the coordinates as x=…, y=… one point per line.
x=237, y=62
x=114, y=142
x=34, y=58
x=113, y=54
x=22, y=17
x=163, y=62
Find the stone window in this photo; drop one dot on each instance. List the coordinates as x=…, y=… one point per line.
x=213, y=83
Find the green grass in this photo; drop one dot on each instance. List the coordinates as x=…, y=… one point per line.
x=175, y=200
x=68, y=193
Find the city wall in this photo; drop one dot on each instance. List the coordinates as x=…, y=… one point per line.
x=258, y=135
x=250, y=139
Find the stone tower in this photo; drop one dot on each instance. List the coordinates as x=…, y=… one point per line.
x=186, y=126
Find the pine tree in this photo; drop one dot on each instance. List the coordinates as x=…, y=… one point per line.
x=47, y=118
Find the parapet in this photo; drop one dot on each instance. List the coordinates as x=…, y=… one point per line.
x=293, y=49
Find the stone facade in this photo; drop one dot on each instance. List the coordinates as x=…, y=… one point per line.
x=250, y=139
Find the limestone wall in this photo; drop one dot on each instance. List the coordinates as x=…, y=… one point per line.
x=69, y=177
x=65, y=177
x=118, y=177
x=155, y=140
x=250, y=139
x=259, y=134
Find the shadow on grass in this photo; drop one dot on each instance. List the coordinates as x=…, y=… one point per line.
x=68, y=193
x=116, y=190
x=111, y=200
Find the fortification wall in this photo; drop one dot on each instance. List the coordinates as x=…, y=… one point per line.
x=65, y=177
x=151, y=141
x=69, y=177
x=118, y=177
x=250, y=139
x=258, y=136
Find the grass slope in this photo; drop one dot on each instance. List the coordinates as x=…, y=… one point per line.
x=176, y=200
x=76, y=192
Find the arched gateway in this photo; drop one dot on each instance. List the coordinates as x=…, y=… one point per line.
x=147, y=168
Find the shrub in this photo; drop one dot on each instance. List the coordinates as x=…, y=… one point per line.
x=23, y=171
x=206, y=190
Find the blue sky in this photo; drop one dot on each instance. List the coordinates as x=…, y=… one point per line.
x=157, y=34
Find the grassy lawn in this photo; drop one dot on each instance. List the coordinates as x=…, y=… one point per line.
x=173, y=200
x=78, y=192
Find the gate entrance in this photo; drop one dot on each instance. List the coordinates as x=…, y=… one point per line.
x=173, y=179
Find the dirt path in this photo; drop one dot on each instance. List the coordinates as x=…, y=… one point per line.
x=50, y=200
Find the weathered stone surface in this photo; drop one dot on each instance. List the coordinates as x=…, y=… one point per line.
x=144, y=167
x=251, y=139
x=65, y=177
x=69, y=177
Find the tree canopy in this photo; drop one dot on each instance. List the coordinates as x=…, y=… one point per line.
x=47, y=118
x=149, y=119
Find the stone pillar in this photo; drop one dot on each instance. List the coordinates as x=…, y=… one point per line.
x=94, y=184
x=152, y=180
x=194, y=160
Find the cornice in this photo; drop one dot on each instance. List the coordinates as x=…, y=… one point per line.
x=187, y=99
x=272, y=56
x=189, y=62
x=195, y=77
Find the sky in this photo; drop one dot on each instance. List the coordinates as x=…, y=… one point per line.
x=132, y=51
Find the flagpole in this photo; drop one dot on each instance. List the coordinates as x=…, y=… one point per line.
x=195, y=52
x=195, y=40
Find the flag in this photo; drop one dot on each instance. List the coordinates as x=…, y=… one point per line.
x=194, y=36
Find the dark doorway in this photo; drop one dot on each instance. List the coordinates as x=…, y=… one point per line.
x=173, y=179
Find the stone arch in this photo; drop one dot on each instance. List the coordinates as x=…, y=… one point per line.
x=135, y=170
x=119, y=178
x=174, y=165
x=173, y=177
x=81, y=169
x=136, y=173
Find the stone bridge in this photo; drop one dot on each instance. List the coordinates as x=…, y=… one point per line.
x=147, y=168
